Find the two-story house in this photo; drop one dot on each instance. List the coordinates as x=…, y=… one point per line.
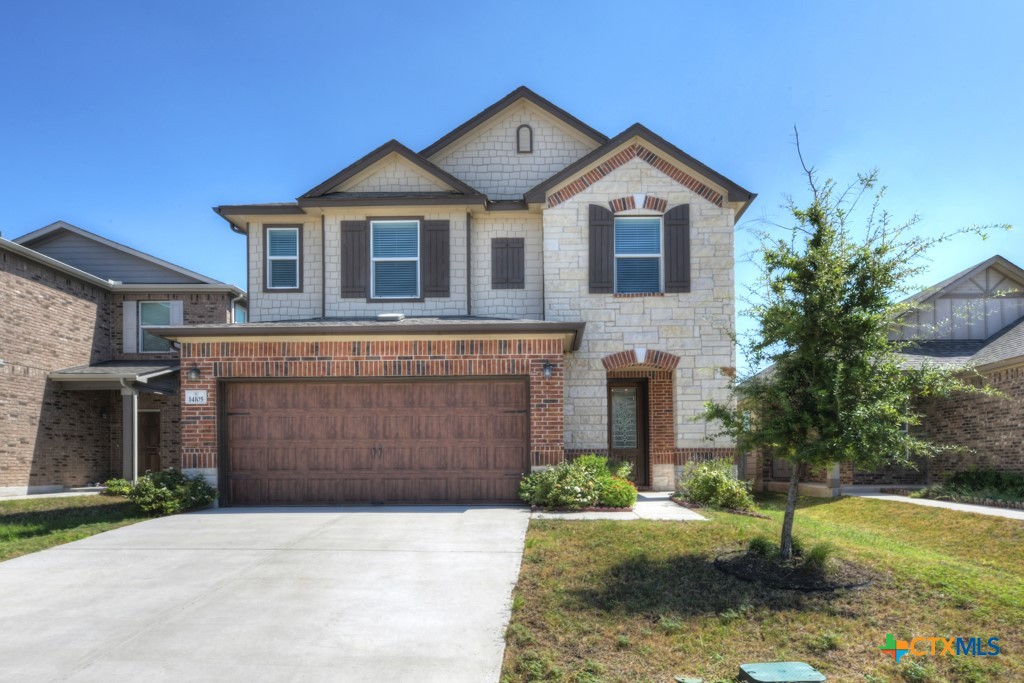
x=427, y=327
x=86, y=391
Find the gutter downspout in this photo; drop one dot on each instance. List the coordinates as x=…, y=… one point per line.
x=469, y=265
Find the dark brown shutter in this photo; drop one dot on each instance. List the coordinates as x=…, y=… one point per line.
x=355, y=259
x=508, y=263
x=435, y=258
x=602, y=250
x=677, y=249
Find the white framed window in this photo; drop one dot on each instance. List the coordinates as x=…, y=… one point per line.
x=638, y=247
x=283, y=245
x=395, y=259
x=153, y=313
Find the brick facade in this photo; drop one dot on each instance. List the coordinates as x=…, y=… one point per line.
x=49, y=321
x=51, y=437
x=225, y=360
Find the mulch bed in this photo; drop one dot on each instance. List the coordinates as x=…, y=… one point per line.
x=693, y=506
x=774, y=573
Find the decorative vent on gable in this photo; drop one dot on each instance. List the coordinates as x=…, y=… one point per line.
x=524, y=139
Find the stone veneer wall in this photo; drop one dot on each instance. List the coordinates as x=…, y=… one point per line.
x=508, y=303
x=487, y=160
x=394, y=175
x=268, y=306
x=49, y=321
x=695, y=326
x=227, y=360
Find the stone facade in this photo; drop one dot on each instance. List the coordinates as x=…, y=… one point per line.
x=487, y=159
x=695, y=326
x=508, y=303
x=394, y=175
x=308, y=303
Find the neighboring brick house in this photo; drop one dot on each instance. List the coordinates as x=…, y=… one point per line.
x=85, y=392
x=973, y=319
x=426, y=327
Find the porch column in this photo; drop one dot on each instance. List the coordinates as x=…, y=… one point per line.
x=834, y=479
x=130, y=433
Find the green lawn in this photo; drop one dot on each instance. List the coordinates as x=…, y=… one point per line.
x=641, y=601
x=27, y=526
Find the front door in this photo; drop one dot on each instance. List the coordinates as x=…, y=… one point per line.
x=149, y=442
x=627, y=425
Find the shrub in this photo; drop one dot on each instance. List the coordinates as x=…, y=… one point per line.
x=117, y=487
x=711, y=483
x=763, y=546
x=171, y=491
x=617, y=493
x=577, y=484
x=818, y=556
x=977, y=484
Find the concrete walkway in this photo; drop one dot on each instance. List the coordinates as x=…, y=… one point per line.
x=269, y=594
x=649, y=505
x=959, y=507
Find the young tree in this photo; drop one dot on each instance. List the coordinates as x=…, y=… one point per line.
x=824, y=304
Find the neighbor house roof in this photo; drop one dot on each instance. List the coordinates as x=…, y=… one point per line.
x=1000, y=263
x=37, y=237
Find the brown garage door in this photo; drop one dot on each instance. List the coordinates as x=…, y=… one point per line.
x=291, y=443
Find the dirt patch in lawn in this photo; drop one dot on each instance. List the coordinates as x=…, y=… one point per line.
x=794, y=574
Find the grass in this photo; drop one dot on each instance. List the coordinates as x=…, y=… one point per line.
x=27, y=526
x=642, y=601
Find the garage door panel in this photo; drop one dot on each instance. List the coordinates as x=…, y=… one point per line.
x=320, y=490
x=282, y=459
x=357, y=458
x=433, y=491
x=432, y=458
x=357, y=490
x=322, y=460
x=304, y=442
x=507, y=458
x=246, y=459
x=395, y=458
x=285, y=491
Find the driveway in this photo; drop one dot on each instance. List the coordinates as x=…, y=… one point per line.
x=270, y=594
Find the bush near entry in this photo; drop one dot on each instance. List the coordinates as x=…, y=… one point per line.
x=587, y=481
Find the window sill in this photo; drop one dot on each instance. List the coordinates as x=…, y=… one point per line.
x=637, y=295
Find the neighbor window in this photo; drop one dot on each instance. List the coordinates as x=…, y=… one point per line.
x=395, y=259
x=638, y=255
x=282, y=258
x=153, y=313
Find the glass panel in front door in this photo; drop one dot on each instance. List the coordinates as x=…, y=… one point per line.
x=624, y=420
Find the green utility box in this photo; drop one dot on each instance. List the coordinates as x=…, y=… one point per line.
x=780, y=672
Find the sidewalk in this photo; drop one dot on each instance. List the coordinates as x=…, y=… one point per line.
x=959, y=507
x=84, y=491
x=649, y=505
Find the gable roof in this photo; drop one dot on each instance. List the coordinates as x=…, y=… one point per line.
x=735, y=192
x=323, y=190
x=520, y=93
x=54, y=229
x=1009, y=268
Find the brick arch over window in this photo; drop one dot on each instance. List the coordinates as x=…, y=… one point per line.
x=648, y=202
x=641, y=359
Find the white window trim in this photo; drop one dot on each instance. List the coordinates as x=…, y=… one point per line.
x=141, y=328
x=271, y=259
x=660, y=255
x=374, y=260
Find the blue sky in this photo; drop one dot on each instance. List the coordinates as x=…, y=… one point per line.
x=133, y=119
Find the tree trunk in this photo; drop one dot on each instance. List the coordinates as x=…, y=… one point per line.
x=787, y=521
